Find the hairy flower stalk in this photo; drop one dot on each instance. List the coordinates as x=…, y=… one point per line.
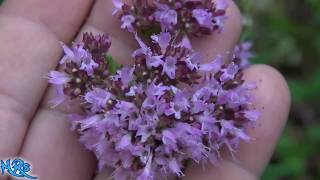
x=200, y=17
x=147, y=120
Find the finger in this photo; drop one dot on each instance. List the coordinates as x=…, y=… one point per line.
x=52, y=125
x=273, y=100
x=63, y=18
x=30, y=33
x=54, y=150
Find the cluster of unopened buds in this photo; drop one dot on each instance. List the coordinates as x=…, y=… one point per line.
x=169, y=107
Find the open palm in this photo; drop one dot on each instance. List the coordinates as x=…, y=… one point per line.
x=30, y=32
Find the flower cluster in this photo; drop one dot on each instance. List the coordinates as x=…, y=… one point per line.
x=196, y=18
x=148, y=119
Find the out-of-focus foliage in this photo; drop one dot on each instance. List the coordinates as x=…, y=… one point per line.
x=286, y=34
x=1, y=1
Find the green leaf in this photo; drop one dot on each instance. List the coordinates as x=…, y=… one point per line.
x=1, y=1
x=113, y=66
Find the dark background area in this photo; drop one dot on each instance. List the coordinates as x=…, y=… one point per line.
x=286, y=36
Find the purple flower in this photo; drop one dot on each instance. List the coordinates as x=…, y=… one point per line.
x=169, y=139
x=186, y=42
x=167, y=107
x=59, y=98
x=220, y=21
x=126, y=75
x=193, y=61
x=163, y=39
x=135, y=90
x=149, y=115
x=125, y=142
x=230, y=72
x=175, y=167
x=214, y=66
x=127, y=22
x=144, y=49
x=90, y=139
x=69, y=54
x=125, y=109
x=203, y=17
x=98, y=98
x=252, y=115
x=91, y=121
x=150, y=102
x=180, y=104
x=207, y=121
x=228, y=127
x=154, y=61
x=242, y=51
x=157, y=89
x=166, y=16
x=58, y=78
x=75, y=54
x=145, y=131
x=148, y=173
x=88, y=65
x=178, y=17
x=169, y=67
x=118, y=6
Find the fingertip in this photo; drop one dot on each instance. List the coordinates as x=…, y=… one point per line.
x=273, y=101
x=234, y=13
x=271, y=85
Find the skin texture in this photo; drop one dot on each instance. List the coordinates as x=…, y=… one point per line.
x=30, y=32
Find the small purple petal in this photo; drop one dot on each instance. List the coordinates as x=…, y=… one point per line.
x=58, y=78
x=124, y=142
x=169, y=67
x=163, y=39
x=127, y=21
x=214, y=66
x=230, y=72
x=252, y=115
x=126, y=75
x=118, y=6
x=59, y=98
x=203, y=17
x=68, y=53
x=98, y=98
x=166, y=16
x=154, y=61
x=88, y=64
x=175, y=167
x=186, y=42
x=193, y=61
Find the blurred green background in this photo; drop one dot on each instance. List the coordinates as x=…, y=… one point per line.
x=286, y=34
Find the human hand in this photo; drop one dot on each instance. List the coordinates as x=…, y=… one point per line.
x=30, y=33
